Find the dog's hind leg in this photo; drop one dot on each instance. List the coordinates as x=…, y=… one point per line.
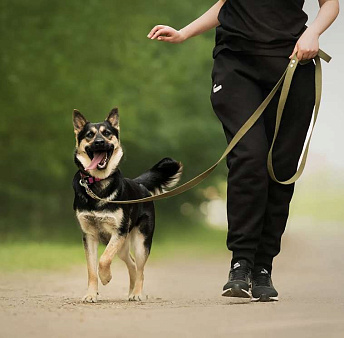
x=113, y=247
x=124, y=254
x=91, y=251
x=141, y=252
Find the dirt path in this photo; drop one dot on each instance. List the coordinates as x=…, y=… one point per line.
x=184, y=298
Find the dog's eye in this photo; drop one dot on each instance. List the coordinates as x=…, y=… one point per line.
x=90, y=134
x=106, y=133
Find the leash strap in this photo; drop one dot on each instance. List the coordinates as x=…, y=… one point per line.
x=280, y=108
x=287, y=77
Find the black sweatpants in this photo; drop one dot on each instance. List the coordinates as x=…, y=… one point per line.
x=257, y=206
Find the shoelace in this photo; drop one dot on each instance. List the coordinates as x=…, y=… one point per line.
x=239, y=273
x=262, y=279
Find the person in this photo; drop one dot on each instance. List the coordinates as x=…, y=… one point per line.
x=255, y=41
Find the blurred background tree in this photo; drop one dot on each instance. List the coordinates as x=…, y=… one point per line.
x=94, y=55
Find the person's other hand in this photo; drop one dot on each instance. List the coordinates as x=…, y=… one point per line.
x=166, y=33
x=307, y=46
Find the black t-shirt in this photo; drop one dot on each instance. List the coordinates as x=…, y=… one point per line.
x=260, y=27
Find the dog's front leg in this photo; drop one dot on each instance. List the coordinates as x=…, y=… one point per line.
x=114, y=245
x=91, y=251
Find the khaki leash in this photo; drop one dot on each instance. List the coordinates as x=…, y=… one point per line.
x=287, y=77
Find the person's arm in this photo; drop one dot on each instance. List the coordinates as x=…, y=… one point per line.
x=204, y=23
x=308, y=44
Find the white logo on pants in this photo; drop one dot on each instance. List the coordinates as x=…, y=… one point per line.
x=216, y=89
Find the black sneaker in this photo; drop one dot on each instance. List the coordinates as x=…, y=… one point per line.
x=262, y=287
x=239, y=280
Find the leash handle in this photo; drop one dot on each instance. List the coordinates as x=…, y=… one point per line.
x=281, y=103
x=280, y=108
x=287, y=77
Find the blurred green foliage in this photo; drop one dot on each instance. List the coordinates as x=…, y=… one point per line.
x=50, y=254
x=93, y=55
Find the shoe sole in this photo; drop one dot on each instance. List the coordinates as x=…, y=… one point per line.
x=264, y=298
x=236, y=291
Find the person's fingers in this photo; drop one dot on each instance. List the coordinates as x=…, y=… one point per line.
x=309, y=54
x=162, y=31
x=166, y=38
x=152, y=32
x=156, y=34
x=306, y=55
x=299, y=55
x=154, y=29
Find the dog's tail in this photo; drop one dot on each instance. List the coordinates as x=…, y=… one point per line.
x=165, y=174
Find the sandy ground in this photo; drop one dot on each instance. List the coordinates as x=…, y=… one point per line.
x=182, y=297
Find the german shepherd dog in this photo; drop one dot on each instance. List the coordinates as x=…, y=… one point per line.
x=123, y=228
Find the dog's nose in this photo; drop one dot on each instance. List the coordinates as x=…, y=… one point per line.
x=99, y=142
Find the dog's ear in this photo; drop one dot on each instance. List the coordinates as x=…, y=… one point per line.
x=79, y=121
x=113, y=118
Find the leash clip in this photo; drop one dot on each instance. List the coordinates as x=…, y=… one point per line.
x=83, y=183
x=89, y=192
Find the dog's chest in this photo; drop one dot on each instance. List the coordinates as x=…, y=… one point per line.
x=95, y=222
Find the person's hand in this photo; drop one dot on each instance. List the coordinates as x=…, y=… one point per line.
x=307, y=46
x=166, y=33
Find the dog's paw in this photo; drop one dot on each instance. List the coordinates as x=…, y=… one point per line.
x=104, y=274
x=90, y=298
x=134, y=298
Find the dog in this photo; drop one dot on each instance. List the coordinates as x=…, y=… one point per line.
x=123, y=228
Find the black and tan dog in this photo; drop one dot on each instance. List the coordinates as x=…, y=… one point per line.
x=123, y=228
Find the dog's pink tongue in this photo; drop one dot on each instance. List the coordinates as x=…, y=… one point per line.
x=96, y=160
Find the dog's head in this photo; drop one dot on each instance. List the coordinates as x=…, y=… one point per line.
x=98, y=150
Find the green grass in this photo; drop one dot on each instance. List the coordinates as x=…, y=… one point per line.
x=18, y=256
x=33, y=255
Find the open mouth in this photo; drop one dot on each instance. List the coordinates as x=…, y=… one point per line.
x=99, y=159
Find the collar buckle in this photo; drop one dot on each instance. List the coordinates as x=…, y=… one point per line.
x=88, y=179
